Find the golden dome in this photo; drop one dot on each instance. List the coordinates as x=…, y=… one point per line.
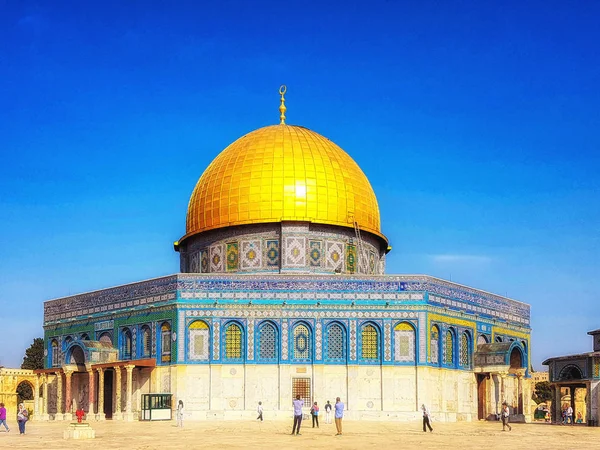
x=282, y=172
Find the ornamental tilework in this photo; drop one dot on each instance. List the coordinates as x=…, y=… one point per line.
x=216, y=338
x=204, y=260
x=334, y=257
x=422, y=337
x=251, y=255
x=353, y=340
x=232, y=256
x=284, y=339
x=318, y=341
x=404, y=343
x=351, y=265
x=596, y=367
x=387, y=330
x=371, y=262
x=194, y=262
x=133, y=341
x=272, y=253
x=295, y=251
x=217, y=258
x=315, y=253
x=250, y=329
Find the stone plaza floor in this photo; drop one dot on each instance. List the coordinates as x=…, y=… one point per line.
x=276, y=435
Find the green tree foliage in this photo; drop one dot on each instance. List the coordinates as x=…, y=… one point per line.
x=34, y=355
x=24, y=392
x=542, y=392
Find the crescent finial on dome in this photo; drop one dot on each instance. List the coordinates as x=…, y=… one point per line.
x=282, y=108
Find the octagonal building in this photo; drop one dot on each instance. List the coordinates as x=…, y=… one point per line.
x=282, y=291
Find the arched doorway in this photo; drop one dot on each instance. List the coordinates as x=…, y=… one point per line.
x=25, y=395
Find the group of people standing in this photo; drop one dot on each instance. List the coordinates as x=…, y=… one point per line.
x=298, y=404
x=22, y=417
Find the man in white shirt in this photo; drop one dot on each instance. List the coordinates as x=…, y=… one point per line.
x=569, y=414
x=505, y=414
x=426, y=417
x=298, y=404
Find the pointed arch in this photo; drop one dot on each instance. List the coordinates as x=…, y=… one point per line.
x=370, y=348
x=404, y=342
x=198, y=341
x=268, y=342
x=233, y=337
x=465, y=352
x=302, y=342
x=434, y=344
x=126, y=344
x=165, y=342
x=449, y=343
x=145, y=342
x=335, y=343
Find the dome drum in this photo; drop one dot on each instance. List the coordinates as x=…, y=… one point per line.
x=286, y=247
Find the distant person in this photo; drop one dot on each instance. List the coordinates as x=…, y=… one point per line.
x=22, y=417
x=3, y=417
x=579, y=417
x=569, y=414
x=505, y=414
x=314, y=411
x=328, y=412
x=259, y=410
x=298, y=404
x=180, y=414
x=339, y=415
x=426, y=417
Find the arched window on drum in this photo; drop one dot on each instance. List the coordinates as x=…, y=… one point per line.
x=198, y=341
x=404, y=343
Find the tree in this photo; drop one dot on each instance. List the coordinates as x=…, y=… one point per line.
x=34, y=355
x=542, y=393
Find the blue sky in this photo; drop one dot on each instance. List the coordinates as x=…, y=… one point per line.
x=477, y=125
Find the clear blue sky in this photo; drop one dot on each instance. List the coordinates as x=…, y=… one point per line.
x=478, y=126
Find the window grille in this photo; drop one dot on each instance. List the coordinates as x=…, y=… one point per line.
x=301, y=387
x=268, y=342
x=404, y=341
x=126, y=354
x=233, y=342
x=464, y=349
x=55, y=353
x=165, y=342
x=335, y=342
x=146, y=342
x=198, y=337
x=449, y=356
x=434, y=344
x=301, y=342
x=370, y=343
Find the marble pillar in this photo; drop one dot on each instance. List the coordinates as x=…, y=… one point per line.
x=118, y=385
x=100, y=415
x=45, y=415
x=128, y=416
x=37, y=413
x=91, y=394
x=59, y=397
x=68, y=396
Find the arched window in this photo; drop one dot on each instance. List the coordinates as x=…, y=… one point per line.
x=55, y=354
x=198, y=341
x=482, y=339
x=233, y=342
x=370, y=343
x=465, y=353
x=498, y=339
x=146, y=341
x=302, y=342
x=126, y=344
x=165, y=342
x=85, y=337
x=449, y=348
x=267, y=342
x=336, y=343
x=434, y=344
x=404, y=342
x=106, y=338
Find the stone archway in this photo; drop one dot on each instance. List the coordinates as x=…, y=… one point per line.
x=10, y=380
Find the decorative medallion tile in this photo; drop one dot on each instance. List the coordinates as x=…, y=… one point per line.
x=251, y=254
x=272, y=253
x=232, y=256
x=315, y=253
x=217, y=258
x=295, y=251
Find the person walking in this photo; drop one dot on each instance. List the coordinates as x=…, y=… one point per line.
x=328, y=412
x=314, y=411
x=569, y=415
x=3, y=417
x=339, y=415
x=180, y=414
x=505, y=414
x=298, y=404
x=259, y=410
x=22, y=417
x=426, y=417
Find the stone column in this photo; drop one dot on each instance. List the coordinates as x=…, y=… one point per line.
x=91, y=393
x=118, y=384
x=59, y=397
x=37, y=414
x=45, y=415
x=558, y=406
x=68, y=396
x=520, y=401
x=502, y=391
x=100, y=415
x=128, y=416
